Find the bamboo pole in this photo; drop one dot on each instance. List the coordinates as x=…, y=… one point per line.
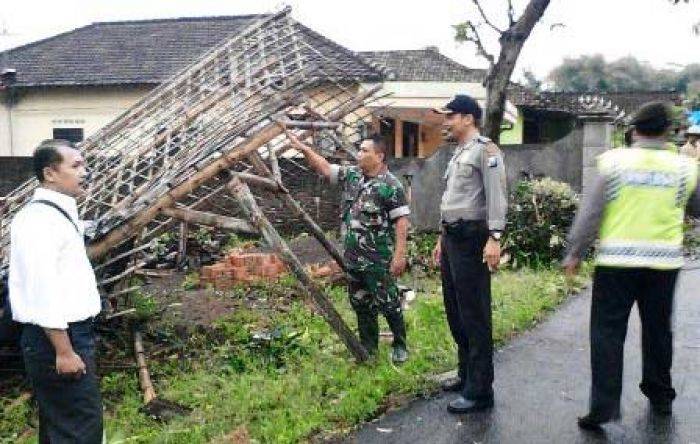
x=300, y=124
x=168, y=199
x=259, y=182
x=242, y=193
x=210, y=219
x=125, y=273
x=274, y=165
x=125, y=254
x=182, y=242
x=299, y=212
x=149, y=393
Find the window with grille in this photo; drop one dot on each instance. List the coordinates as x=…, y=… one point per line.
x=74, y=135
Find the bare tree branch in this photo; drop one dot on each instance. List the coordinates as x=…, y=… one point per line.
x=511, y=14
x=486, y=19
x=511, y=41
x=467, y=32
x=480, y=49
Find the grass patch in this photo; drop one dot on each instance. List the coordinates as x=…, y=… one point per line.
x=283, y=376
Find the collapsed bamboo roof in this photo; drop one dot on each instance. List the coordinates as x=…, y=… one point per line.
x=178, y=146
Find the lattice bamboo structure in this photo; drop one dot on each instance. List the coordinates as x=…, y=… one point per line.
x=204, y=136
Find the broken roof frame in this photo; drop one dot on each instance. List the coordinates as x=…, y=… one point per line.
x=210, y=132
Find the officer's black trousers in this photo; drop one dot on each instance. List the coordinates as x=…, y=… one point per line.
x=70, y=410
x=615, y=290
x=466, y=288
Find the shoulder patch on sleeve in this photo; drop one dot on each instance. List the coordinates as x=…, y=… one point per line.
x=492, y=149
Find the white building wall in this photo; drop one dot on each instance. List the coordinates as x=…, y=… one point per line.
x=38, y=111
x=428, y=95
x=5, y=140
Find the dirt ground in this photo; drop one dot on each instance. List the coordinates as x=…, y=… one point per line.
x=201, y=307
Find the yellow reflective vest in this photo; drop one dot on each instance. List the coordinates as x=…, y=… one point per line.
x=646, y=193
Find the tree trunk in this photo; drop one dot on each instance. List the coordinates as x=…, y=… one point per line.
x=512, y=41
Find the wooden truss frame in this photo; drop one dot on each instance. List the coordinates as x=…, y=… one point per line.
x=211, y=133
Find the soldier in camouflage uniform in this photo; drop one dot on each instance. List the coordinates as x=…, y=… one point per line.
x=374, y=227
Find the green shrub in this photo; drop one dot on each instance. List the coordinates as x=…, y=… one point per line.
x=691, y=238
x=420, y=251
x=539, y=217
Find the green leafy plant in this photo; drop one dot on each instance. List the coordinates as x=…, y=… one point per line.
x=203, y=236
x=191, y=281
x=145, y=306
x=539, y=216
x=419, y=251
x=164, y=243
x=691, y=238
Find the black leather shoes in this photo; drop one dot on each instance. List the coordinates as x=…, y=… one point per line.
x=662, y=408
x=455, y=384
x=594, y=422
x=462, y=405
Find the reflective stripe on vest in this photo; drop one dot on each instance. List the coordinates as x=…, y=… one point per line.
x=646, y=193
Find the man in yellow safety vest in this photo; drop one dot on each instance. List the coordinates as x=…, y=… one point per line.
x=636, y=207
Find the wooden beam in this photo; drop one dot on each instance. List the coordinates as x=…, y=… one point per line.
x=168, y=199
x=302, y=124
x=259, y=182
x=242, y=193
x=149, y=393
x=211, y=220
x=182, y=243
x=299, y=212
x=421, y=141
x=398, y=138
x=274, y=164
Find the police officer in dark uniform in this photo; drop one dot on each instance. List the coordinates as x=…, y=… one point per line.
x=473, y=217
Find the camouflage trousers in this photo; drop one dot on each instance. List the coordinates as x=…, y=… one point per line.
x=374, y=290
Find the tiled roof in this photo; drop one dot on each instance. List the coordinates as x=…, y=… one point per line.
x=422, y=65
x=619, y=103
x=146, y=52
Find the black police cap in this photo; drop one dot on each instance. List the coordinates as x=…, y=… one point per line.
x=462, y=104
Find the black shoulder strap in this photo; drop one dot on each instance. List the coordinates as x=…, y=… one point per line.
x=61, y=210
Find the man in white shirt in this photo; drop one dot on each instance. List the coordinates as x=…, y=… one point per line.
x=54, y=295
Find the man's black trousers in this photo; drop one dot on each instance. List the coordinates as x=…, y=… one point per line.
x=615, y=290
x=466, y=288
x=70, y=409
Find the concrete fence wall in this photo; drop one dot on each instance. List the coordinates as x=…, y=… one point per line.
x=570, y=159
x=561, y=160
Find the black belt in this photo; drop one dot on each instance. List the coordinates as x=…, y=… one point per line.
x=461, y=224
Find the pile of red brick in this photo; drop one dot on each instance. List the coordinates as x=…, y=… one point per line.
x=240, y=267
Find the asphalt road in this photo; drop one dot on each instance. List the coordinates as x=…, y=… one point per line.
x=542, y=384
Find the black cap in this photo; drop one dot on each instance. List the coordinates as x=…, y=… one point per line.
x=652, y=118
x=462, y=104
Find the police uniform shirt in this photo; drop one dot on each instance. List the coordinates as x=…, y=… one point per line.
x=476, y=184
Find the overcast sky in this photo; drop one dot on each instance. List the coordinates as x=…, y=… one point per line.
x=651, y=30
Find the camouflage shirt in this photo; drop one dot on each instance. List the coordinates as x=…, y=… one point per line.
x=369, y=207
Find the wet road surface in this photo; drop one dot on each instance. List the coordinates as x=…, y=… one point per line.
x=542, y=383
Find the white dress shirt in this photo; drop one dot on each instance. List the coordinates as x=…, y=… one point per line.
x=51, y=280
